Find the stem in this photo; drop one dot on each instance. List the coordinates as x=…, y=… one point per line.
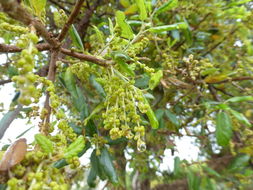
x=51, y=76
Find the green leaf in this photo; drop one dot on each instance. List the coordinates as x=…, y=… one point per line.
x=91, y=179
x=176, y=166
x=209, y=71
x=76, y=39
x=193, y=181
x=159, y=114
x=107, y=165
x=240, y=99
x=167, y=6
x=99, y=35
x=97, y=109
x=96, y=170
x=223, y=106
x=3, y=186
x=7, y=119
x=142, y=9
x=118, y=55
x=70, y=82
x=166, y=28
x=236, y=3
x=111, y=28
x=132, y=9
x=149, y=96
x=151, y=115
x=155, y=79
x=38, y=6
x=125, y=3
x=172, y=117
x=77, y=95
x=90, y=128
x=210, y=171
x=126, y=30
x=116, y=141
x=45, y=144
x=239, y=162
x=121, y=59
x=97, y=86
x=223, y=129
x=80, y=103
x=27, y=3
x=24, y=132
x=16, y=96
x=211, y=184
x=12, y=71
x=77, y=129
x=240, y=117
x=142, y=82
x=62, y=162
x=126, y=68
x=75, y=147
x=135, y=22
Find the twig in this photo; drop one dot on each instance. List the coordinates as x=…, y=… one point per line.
x=5, y=81
x=214, y=94
x=71, y=18
x=51, y=76
x=81, y=56
x=217, y=44
x=60, y=6
x=223, y=91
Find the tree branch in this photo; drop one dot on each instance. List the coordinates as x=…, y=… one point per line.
x=4, y=48
x=223, y=91
x=233, y=79
x=60, y=6
x=81, y=56
x=84, y=23
x=217, y=44
x=42, y=47
x=51, y=76
x=71, y=18
x=17, y=12
x=5, y=81
x=214, y=93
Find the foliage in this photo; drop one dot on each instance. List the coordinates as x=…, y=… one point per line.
x=125, y=79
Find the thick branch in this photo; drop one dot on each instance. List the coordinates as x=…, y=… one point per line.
x=42, y=47
x=71, y=18
x=17, y=12
x=4, y=48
